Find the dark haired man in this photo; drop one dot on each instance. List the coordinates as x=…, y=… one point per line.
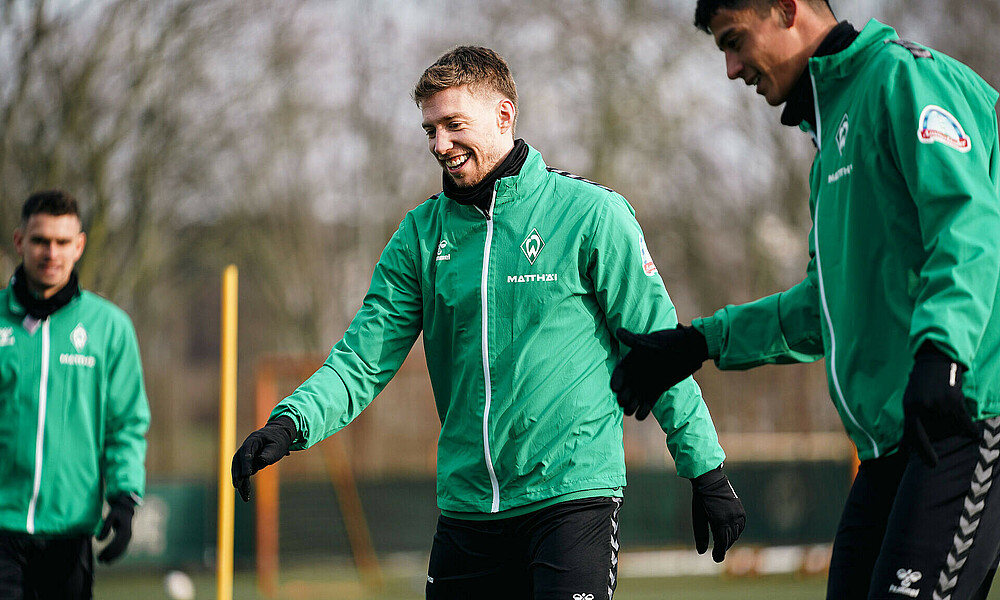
x=517, y=275
x=900, y=294
x=73, y=413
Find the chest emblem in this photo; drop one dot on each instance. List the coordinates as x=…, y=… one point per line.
x=6, y=336
x=842, y=130
x=78, y=337
x=442, y=248
x=938, y=125
x=532, y=246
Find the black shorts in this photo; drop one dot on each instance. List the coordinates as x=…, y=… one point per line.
x=566, y=551
x=909, y=531
x=45, y=568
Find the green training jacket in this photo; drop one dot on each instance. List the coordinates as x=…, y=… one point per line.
x=905, y=242
x=73, y=415
x=517, y=308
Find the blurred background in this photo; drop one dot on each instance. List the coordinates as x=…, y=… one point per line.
x=281, y=137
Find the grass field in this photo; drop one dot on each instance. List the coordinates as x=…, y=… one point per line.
x=341, y=583
x=149, y=587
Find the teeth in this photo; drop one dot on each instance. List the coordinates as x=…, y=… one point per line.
x=451, y=163
x=756, y=80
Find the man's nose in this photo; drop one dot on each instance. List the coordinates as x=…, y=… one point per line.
x=734, y=66
x=441, y=143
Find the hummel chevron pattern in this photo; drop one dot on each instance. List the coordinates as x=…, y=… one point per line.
x=975, y=501
x=613, y=575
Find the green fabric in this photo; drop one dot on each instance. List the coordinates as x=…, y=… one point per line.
x=553, y=426
x=904, y=246
x=530, y=508
x=96, y=415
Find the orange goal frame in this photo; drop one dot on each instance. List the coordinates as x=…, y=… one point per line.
x=269, y=373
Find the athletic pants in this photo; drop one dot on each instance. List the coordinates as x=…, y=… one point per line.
x=566, y=551
x=45, y=568
x=911, y=531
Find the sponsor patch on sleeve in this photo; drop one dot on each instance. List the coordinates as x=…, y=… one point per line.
x=647, y=261
x=938, y=125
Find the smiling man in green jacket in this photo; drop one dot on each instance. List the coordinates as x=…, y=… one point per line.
x=517, y=274
x=900, y=295
x=73, y=413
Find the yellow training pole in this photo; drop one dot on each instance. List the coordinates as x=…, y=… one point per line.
x=227, y=435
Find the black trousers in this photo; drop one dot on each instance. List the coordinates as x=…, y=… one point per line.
x=909, y=531
x=45, y=568
x=564, y=552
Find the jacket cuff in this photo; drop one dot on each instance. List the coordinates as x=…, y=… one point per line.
x=712, y=328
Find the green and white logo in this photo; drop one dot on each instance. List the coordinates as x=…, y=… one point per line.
x=532, y=246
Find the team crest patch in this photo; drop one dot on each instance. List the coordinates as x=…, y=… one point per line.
x=78, y=337
x=938, y=125
x=6, y=336
x=532, y=246
x=647, y=260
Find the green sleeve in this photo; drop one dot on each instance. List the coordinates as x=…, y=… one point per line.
x=632, y=295
x=778, y=329
x=373, y=348
x=126, y=417
x=955, y=190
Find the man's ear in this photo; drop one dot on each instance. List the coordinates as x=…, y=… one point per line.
x=505, y=115
x=788, y=10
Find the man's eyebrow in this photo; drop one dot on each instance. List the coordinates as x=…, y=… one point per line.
x=725, y=36
x=443, y=119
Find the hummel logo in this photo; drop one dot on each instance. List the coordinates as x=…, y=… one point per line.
x=6, y=336
x=907, y=577
x=532, y=245
x=583, y=597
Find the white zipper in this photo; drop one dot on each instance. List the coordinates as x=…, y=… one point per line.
x=484, y=290
x=43, y=393
x=822, y=288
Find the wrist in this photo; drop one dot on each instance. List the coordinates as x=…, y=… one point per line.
x=285, y=424
x=708, y=479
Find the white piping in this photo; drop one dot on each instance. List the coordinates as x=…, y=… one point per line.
x=43, y=393
x=484, y=291
x=822, y=288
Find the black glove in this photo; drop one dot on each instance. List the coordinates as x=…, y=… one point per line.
x=657, y=362
x=933, y=403
x=266, y=446
x=119, y=519
x=715, y=506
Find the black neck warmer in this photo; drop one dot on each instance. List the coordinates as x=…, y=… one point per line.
x=43, y=307
x=481, y=194
x=799, y=106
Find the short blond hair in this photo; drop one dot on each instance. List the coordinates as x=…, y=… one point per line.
x=475, y=66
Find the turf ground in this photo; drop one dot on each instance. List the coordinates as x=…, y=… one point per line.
x=305, y=583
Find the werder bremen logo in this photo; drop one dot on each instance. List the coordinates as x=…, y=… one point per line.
x=532, y=246
x=78, y=337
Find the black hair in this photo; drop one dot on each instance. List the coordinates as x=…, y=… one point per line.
x=706, y=9
x=49, y=202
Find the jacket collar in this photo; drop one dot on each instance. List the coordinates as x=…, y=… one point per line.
x=870, y=40
x=531, y=175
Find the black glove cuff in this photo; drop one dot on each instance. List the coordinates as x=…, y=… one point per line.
x=285, y=424
x=126, y=502
x=708, y=480
x=696, y=341
x=928, y=355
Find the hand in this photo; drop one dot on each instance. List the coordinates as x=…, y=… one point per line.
x=933, y=403
x=266, y=446
x=119, y=519
x=657, y=362
x=715, y=506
